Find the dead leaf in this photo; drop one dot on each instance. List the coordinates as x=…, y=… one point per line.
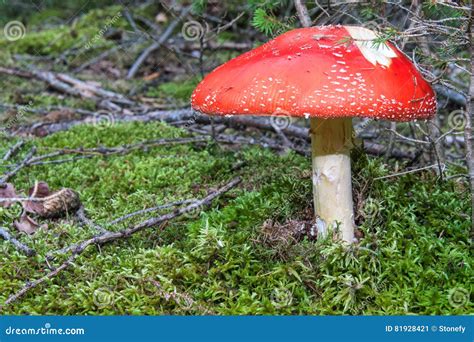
x=39, y=190
x=7, y=192
x=148, y=100
x=27, y=225
x=359, y=234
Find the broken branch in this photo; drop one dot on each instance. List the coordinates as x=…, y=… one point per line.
x=18, y=245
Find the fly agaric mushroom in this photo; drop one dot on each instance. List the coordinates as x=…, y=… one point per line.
x=328, y=74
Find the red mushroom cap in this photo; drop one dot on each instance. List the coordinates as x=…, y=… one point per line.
x=327, y=72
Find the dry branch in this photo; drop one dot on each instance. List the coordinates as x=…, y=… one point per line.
x=149, y=210
x=173, y=116
x=72, y=86
x=13, y=150
x=24, y=162
x=302, y=13
x=18, y=245
x=82, y=217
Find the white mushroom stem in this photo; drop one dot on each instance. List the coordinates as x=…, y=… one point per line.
x=331, y=142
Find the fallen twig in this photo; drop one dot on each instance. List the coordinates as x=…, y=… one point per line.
x=18, y=245
x=81, y=215
x=72, y=86
x=20, y=166
x=13, y=150
x=188, y=116
x=409, y=171
x=172, y=116
x=60, y=161
x=149, y=210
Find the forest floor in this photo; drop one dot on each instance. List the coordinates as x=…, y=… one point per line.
x=233, y=258
x=251, y=251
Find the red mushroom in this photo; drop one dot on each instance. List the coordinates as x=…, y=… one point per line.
x=328, y=74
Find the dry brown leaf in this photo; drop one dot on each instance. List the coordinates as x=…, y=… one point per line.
x=39, y=190
x=7, y=192
x=27, y=225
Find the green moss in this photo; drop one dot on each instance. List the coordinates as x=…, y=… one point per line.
x=87, y=31
x=45, y=100
x=179, y=90
x=44, y=42
x=414, y=253
x=47, y=17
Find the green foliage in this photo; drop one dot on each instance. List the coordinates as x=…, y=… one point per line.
x=31, y=12
x=199, y=6
x=179, y=90
x=414, y=253
x=267, y=4
x=86, y=32
x=266, y=22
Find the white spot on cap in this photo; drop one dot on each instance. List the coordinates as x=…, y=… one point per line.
x=374, y=52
